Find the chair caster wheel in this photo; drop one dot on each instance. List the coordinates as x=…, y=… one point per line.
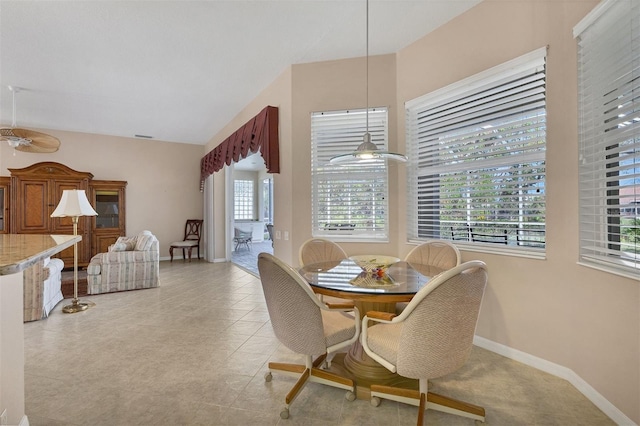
x=268, y=377
x=350, y=396
x=375, y=401
x=284, y=414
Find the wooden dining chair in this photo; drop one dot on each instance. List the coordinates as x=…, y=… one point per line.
x=306, y=326
x=431, y=338
x=192, y=237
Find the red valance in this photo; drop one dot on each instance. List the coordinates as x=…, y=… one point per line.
x=261, y=132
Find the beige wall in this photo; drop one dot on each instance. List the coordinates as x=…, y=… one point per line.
x=339, y=85
x=278, y=94
x=163, y=189
x=569, y=315
x=580, y=318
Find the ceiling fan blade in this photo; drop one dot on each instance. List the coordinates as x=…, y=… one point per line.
x=40, y=142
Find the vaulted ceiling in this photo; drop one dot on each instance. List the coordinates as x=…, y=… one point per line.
x=180, y=70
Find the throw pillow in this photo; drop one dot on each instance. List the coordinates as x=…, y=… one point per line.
x=144, y=241
x=129, y=243
x=119, y=247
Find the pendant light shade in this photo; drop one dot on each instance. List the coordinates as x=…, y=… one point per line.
x=367, y=151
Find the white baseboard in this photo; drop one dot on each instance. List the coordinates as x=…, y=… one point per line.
x=559, y=371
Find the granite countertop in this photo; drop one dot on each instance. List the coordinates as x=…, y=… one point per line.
x=21, y=251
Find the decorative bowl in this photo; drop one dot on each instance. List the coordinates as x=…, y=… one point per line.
x=374, y=263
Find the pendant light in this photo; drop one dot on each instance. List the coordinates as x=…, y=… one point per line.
x=367, y=151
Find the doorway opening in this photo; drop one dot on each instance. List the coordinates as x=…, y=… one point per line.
x=251, y=189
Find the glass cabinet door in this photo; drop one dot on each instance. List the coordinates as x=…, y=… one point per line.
x=107, y=206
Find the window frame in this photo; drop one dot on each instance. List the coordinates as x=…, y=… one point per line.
x=365, y=217
x=418, y=178
x=609, y=137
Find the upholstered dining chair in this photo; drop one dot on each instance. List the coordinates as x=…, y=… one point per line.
x=306, y=326
x=431, y=338
x=439, y=253
x=317, y=250
x=435, y=253
x=192, y=236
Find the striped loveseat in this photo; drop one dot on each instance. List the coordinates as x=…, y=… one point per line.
x=131, y=263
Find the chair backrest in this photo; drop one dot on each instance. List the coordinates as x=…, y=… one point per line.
x=440, y=322
x=242, y=235
x=439, y=253
x=318, y=250
x=193, y=230
x=293, y=308
x=270, y=230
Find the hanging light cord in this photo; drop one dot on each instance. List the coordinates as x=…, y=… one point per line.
x=13, y=91
x=367, y=71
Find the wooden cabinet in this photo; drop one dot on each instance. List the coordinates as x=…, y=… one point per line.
x=108, y=199
x=5, y=184
x=36, y=191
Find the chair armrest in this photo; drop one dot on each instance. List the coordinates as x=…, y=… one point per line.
x=345, y=305
x=126, y=256
x=384, y=316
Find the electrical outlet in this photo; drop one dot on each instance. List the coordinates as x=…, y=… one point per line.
x=286, y=235
x=278, y=235
x=3, y=417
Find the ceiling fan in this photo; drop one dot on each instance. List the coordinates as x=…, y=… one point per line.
x=24, y=139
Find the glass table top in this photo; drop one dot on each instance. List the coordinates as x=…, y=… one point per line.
x=401, y=278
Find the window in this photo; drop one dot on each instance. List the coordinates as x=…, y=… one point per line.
x=267, y=200
x=348, y=201
x=476, y=171
x=243, y=200
x=609, y=137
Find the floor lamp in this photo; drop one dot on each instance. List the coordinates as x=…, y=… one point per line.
x=74, y=204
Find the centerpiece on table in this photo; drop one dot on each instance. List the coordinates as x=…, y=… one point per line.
x=374, y=270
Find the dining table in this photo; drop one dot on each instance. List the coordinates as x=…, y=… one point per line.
x=344, y=279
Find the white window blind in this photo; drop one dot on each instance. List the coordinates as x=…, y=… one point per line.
x=476, y=170
x=348, y=201
x=609, y=136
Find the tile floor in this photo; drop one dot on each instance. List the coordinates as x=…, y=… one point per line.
x=194, y=352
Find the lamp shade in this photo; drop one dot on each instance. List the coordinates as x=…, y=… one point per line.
x=74, y=203
x=367, y=152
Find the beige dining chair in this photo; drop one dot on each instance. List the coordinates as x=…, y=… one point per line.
x=435, y=253
x=306, y=326
x=316, y=250
x=431, y=338
x=439, y=253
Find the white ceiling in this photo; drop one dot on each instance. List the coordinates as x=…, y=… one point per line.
x=180, y=70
